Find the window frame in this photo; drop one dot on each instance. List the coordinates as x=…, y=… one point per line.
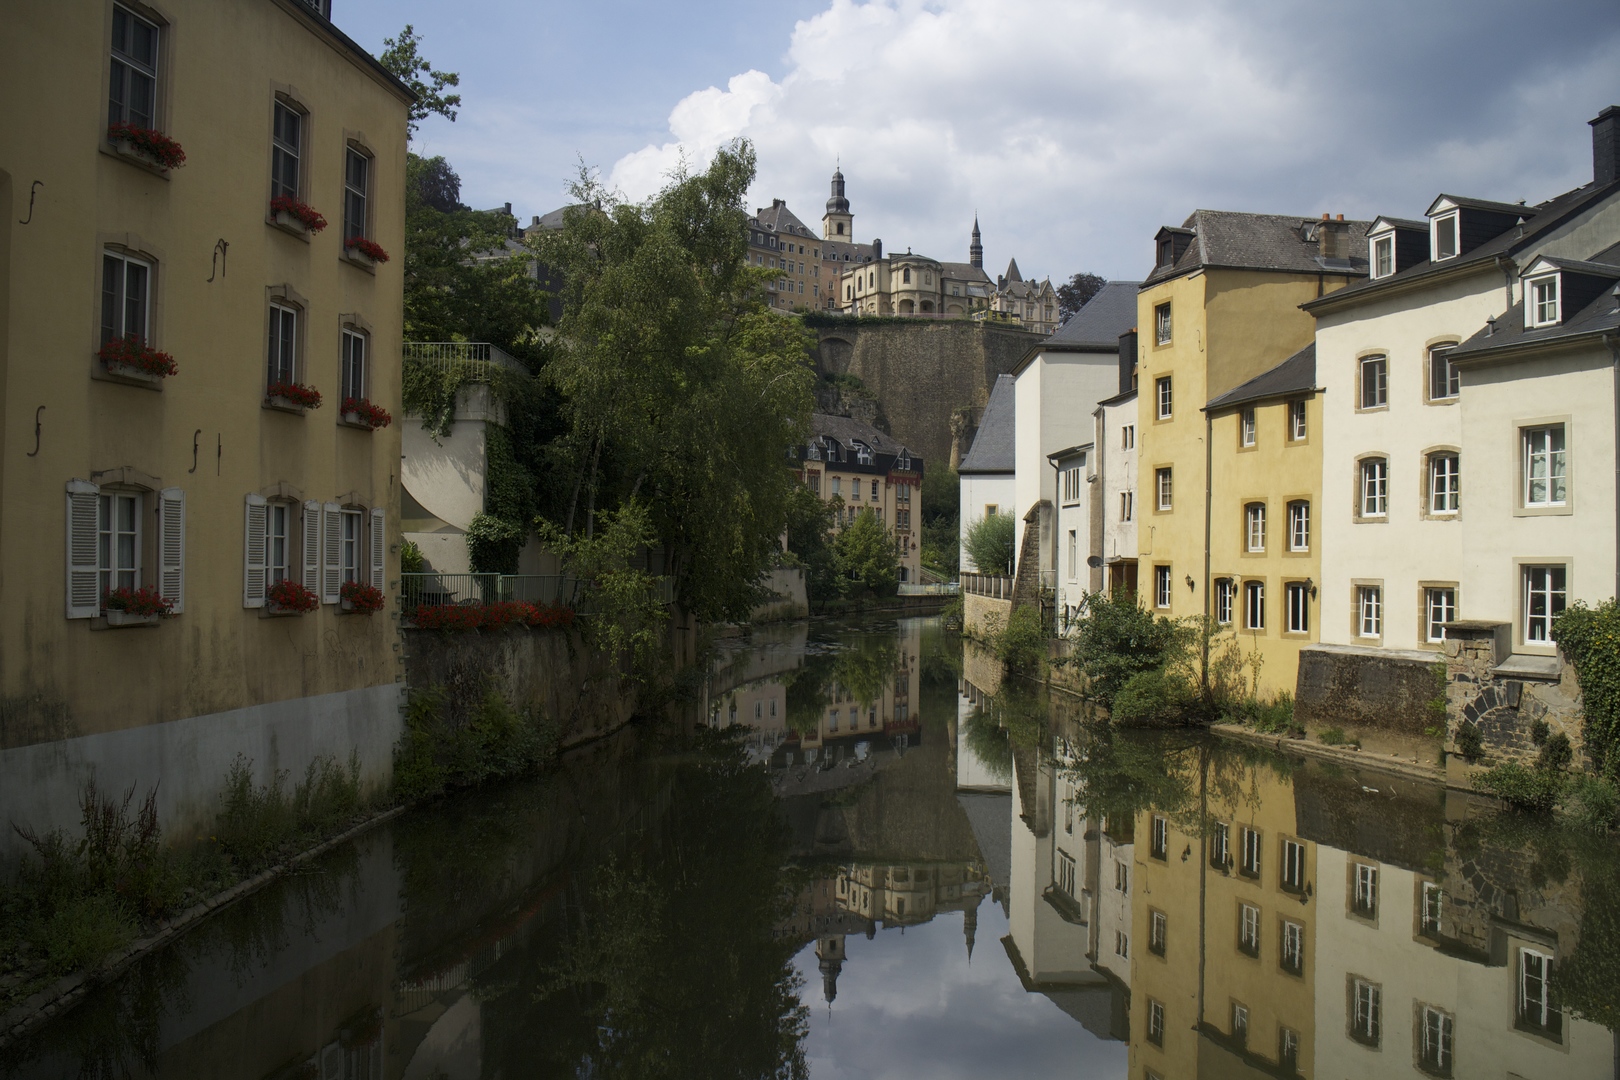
x=120, y=298
x=1291, y=873
x=279, y=341
x=1159, y=837
x=1298, y=420
x=1542, y=310
x=111, y=566
x=1548, y=1018
x=1155, y=1022
x=281, y=150
x=1432, y=592
x=1453, y=218
x=1381, y=254
x=287, y=565
x=1368, y=611
x=1251, y=856
x=353, y=150
x=1527, y=460
x=1372, y=488
x=1248, y=425
x=1220, y=845
x=1254, y=528
x=1225, y=596
x=1439, y=364
x=1162, y=325
x=350, y=337
x=1299, y=526
x=1291, y=947
x=1528, y=572
x=1158, y=931
x=1164, y=397
x=1444, y=494
x=1366, y=1011
x=1436, y=1042
x=1238, y=1025
x=1296, y=607
x=1249, y=929
x=1164, y=488
x=1431, y=909
x=1364, y=889
x=1164, y=586
x=1254, y=605
x=153, y=69
x=1372, y=382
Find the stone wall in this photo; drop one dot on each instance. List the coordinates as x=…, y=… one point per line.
x=920, y=371
x=983, y=614
x=1502, y=696
x=788, y=599
x=1383, y=691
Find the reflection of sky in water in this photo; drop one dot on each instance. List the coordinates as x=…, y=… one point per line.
x=911, y=1006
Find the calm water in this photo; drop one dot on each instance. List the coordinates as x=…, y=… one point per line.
x=870, y=859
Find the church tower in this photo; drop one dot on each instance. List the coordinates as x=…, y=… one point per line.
x=976, y=249
x=838, y=223
x=830, y=951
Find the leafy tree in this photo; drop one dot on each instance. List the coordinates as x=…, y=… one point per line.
x=989, y=543
x=1073, y=294
x=866, y=556
x=809, y=523
x=402, y=57
x=1117, y=640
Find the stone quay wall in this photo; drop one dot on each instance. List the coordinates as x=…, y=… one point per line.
x=1363, y=689
x=1503, y=700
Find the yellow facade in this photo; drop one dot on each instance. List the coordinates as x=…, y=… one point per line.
x=205, y=445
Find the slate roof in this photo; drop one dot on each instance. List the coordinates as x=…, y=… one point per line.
x=961, y=271
x=835, y=250
x=1098, y=324
x=1509, y=333
x=1538, y=220
x=1401, y=222
x=1295, y=375
x=848, y=431
x=1225, y=238
x=778, y=218
x=1012, y=271
x=993, y=446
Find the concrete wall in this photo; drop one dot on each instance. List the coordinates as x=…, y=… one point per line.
x=1056, y=397
x=1378, y=690
x=789, y=601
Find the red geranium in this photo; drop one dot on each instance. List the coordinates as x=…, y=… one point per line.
x=297, y=393
x=143, y=601
x=361, y=596
x=550, y=616
x=286, y=204
x=447, y=617
x=131, y=351
x=289, y=595
x=164, y=150
x=496, y=615
x=373, y=416
x=367, y=247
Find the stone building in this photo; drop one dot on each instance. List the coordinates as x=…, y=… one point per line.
x=862, y=470
x=1032, y=303
x=778, y=240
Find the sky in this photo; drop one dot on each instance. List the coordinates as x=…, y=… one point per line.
x=1072, y=128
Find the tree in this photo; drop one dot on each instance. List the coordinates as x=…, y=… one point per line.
x=866, y=556
x=809, y=523
x=989, y=543
x=402, y=58
x=1073, y=294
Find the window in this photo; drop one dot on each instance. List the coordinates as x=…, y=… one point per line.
x=1299, y=525
x=125, y=297
x=277, y=542
x=1293, y=865
x=1249, y=929
x=1435, y=1041
x=353, y=360
x=1366, y=1017
x=1160, y=837
x=1066, y=873
x=285, y=142
x=1536, y=1009
x=1161, y=323
x=1155, y=1025
x=350, y=552
x=1374, y=382
x=118, y=541
x=1445, y=381
x=1288, y=1050
x=837, y=485
x=1254, y=605
x=1445, y=237
x=905, y=276
x=283, y=345
x=1122, y=877
x=1071, y=484
x=1224, y=592
x=1364, y=894
x=1246, y=427
x=1127, y=508
x=1445, y=483
x=1250, y=863
x=1220, y=845
x=990, y=509
x=1165, y=399
x=1296, y=420
x=1240, y=1024
x=1254, y=527
x=1293, y=947
x=1162, y=481
x=1431, y=909
x=1161, y=586
x=1439, y=608
x=1074, y=549
x=1370, y=611
x=1375, y=488
x=1157, y=925
x=1543, y=307
x=132, y=91
x=1383, y=256
x=356, y=189
x=1545, y=596
x=1545, y=467
x=1298, y=596
x=1122, y=945
x=1127, y=437
x=874, y=482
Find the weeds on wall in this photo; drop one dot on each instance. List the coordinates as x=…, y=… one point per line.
x=441, y=751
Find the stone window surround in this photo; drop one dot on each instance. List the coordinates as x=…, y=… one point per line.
x=1356, y=637
x=1423, y=588
x=1425, y=489
x=1266, y=528
x=1356, y=515
x=285, y=295
x=289, y=95
x=165, y=73
x=1449, y=341
x=132, y=244
x=1520, y=564
x=1371, y=354
x=1311, y=525
x=1522, y=424
x=1297, y=635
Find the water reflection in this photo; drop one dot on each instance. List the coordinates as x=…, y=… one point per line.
x=867, y=856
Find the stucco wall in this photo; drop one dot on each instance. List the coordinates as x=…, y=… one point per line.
x=789, y=601
x=977, y=492
x=1056, y=396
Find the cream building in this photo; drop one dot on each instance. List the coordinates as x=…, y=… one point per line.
x=200, y=484
x=1114, y=508
x=987, y=474
x=863, y=470
x=1032, y=303
x=777, y=240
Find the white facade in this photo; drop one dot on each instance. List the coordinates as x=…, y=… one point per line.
x=980, y=492
x=1057, y=393
x=1116, y=483
x=1077, y=478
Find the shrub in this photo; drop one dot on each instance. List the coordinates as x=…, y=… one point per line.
x=1528, y=789
x=866, y=556
x=1153, y=698
x=411, y=560
x=494, y=544
x=260, y=824
x=1590, y=638
x=1592, y=803
x=1116, y=640
x=1469, y=743
x=1333, y=736
x=1556, y=753
x=440, y=751
x=989, y=543
x=1021, y=644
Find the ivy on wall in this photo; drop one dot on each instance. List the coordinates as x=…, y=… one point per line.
x=1590, y=638
x=430, y=392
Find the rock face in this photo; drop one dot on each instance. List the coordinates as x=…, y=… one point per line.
x=917, y=372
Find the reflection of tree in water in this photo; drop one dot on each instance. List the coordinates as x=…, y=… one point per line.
x=865, y=665
x=670, y=967
x=1014, y=716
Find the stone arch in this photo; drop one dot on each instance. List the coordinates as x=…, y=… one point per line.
x=906, y=307
x=927, y=306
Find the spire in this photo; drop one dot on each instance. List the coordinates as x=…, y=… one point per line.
x=838, y=204
x=1012, y=271
x=976, y=249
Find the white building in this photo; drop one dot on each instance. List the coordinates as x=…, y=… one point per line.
x=1396, y=507
x=1114, y=492
x=1077, y=477
x=986, y=473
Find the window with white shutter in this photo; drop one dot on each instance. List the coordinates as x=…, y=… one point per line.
x=311, y=546
x=83, y=566
x=253, y=547
x=172, y=547
x=331, y=553
x=379, y=547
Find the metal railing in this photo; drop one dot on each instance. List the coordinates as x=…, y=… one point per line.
x=566, y=590
x=995, y=586
x=942, y=588
x=473, y=357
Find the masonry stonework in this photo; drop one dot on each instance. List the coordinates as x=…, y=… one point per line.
x=1503, y=704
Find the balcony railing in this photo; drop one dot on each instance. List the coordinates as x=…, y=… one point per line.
x=475, y=358
x=995, y=586
x=566, y=590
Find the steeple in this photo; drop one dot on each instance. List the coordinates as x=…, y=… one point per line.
x=838, y=223
x=976, y=249
x=970, y=926
x=830, y=951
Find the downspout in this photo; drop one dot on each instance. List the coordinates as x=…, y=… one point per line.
x=1099, y=427
x=1508, y=267
x=1209, y=492
x=1613, y=340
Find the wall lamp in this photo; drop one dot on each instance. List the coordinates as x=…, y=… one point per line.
x=1190, y=583
x=1311, y=585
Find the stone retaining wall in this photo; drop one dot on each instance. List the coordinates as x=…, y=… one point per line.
x=1388, y=692
x=1504, y=704
x=981, y=615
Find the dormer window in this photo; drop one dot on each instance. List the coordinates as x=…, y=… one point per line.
x=1443, y=237
x=1542, y=306
x=1163, y=258
x=1383, y=255
x=863, y=453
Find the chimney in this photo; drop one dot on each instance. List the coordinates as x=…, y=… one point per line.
x=1341, y=217
x=534, y=222
x=508, y=209
x=1333, y=238
x=1127, y=361
x=1606, y=146
x=877, y=248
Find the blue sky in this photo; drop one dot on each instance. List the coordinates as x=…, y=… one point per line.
x=1073, y=127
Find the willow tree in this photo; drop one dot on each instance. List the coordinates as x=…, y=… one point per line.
x=683, y=392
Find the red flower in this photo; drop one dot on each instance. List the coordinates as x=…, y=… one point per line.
x=370, y=248
x=289, y=595
x=297, y=393
x=286, y=204
x=496, y=615
x=163, y=149
x=373, y=416
x=447, y=617
x=131, y=351
x=143, y=601
x=362, y=596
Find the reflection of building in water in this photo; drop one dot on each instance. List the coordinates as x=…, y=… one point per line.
x=760, y=705
x=851, y=715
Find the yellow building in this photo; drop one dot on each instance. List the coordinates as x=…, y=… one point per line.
x=1265, y=492
x=779, y=241
x=198, y=484
x=863, y=470
x=1220, y=308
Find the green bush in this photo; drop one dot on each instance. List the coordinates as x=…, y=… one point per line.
x=1469, y=742
x=866, y=557
x=494, y=544
x=1528, y=789
x=1590, y=638
x=1116, y=639
x=410, y=558
x=989, y=543
x=1333, y=736
x=1592, y=803
x=1556, y=753
x=1152, y=698
x=439, y=752
x=1021, y=644
x=260, y=824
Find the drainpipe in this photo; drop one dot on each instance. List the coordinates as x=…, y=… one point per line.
x=1613, y=340
x=1209, y=491
x=1508, y=268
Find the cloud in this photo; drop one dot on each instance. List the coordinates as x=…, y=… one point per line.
x=1076, y=127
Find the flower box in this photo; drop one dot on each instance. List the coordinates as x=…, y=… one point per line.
x=296, y=217
x=358, y=412
x=292, y=396
x=127, y=618
x=288, y=597
x=131, y=358
x=360, y=598
x=146, y=147
x=364, y=252
x=136, y=607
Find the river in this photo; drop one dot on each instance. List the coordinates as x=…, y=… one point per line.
x=869, y=857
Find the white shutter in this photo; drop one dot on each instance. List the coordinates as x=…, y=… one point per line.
x=254, y=571
x=311, y=547
x=83, y=571
x=331, y=553
x=172, y=547
x=379, y=547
